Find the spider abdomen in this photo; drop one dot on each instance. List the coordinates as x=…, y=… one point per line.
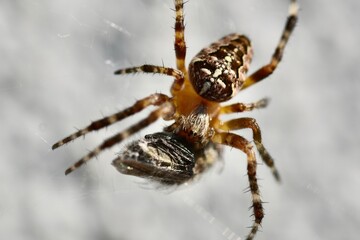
x=218, y=71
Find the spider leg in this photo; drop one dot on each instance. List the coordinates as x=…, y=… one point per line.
x=268, y=69
x=180, y=44
x=177, y=74
x=164, y=111
x=251, y=123
x=245, y=146
x=154, y=99
x=147, y=68
x=242, y=107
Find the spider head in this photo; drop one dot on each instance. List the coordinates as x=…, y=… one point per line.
x=195, y=128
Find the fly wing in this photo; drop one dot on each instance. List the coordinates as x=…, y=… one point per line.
x=162, y=157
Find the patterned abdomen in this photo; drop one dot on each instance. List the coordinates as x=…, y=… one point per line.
x=218, y=71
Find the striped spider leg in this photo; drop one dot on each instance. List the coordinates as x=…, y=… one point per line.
x=243, y=123
x=269, y=68
x=164, y=110
x=242, y=144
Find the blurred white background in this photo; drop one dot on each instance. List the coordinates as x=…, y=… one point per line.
x=56, y=73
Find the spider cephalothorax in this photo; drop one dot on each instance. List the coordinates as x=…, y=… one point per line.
x=193, y=142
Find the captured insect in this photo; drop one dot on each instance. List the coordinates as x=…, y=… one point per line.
x=194, y=139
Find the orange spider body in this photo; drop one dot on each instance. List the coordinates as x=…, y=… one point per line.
x=192, y=143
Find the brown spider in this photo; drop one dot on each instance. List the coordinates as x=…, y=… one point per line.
x=192, y=143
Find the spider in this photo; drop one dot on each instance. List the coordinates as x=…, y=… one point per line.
x=193, y=141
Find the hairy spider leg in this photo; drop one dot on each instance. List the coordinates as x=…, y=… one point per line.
x=242, y=123
x=245, y=146
x=177, y=74
x=165, y=111
x=180, y=44
x=242, y=107
x=269, y=68
x=154, y=99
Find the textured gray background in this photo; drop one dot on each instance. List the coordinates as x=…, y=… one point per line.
x=57, y=59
